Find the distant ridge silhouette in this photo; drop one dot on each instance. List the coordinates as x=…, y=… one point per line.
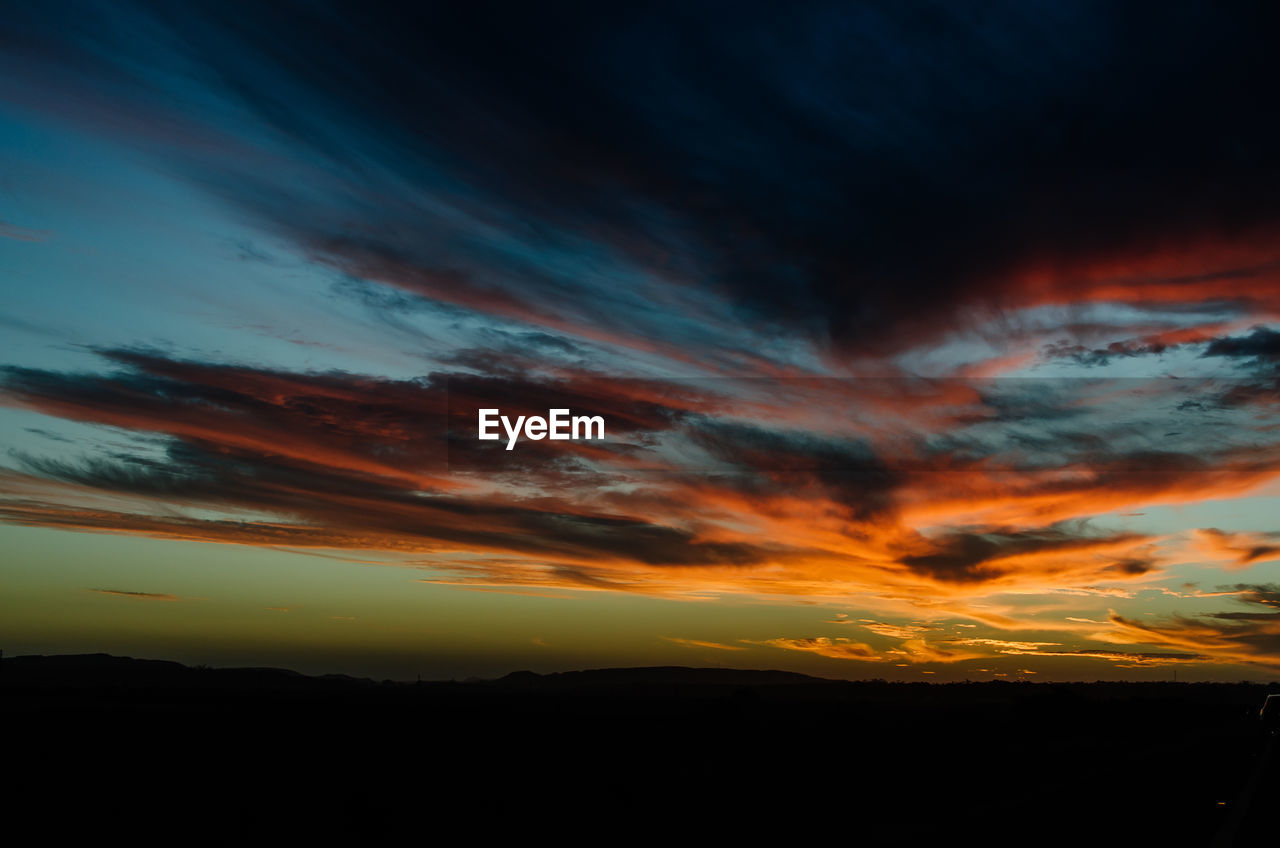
x=666, y=675
x=106, y=669
x=326, y=755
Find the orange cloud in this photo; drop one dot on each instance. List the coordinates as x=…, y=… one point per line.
x=1241, y=550
x=841, y=649
x=699, y=643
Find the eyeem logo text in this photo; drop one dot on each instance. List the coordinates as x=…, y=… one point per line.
x=558, y=425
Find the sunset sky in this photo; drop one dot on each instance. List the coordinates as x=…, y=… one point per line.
x=934, y=341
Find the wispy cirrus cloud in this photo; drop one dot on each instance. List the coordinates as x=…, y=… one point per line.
x=838, y=648
x=1242, y=549
x=12, y=231
x=702, y=643
x=140, y=596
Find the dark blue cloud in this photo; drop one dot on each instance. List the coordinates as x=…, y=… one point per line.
x=858, y=173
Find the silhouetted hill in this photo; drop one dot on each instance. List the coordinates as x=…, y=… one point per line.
x=224, y=756
x=67, y=668
x=105, y=669
x=96, y=670
x=655, y=676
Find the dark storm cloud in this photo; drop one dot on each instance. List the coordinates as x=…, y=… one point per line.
x=859, y=172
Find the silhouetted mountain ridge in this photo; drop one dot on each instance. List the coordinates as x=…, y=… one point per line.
x=273, y=745
x=107, y=669
x=656, y=676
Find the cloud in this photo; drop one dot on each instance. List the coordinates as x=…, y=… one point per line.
x=895, y=631
x=661, y=161
x=140, y=596
x=699, y=643
x=10, y=231
x=920, y=651
x=1154, y=341
x=1243, y=549
x=1250, y=638
x=1261, y=345
x=840, y=649
x=787, y=294
x=1005, y=645
x=972, y=556
x=1123, y=659
x=712, y=479
x=912, y=648
x=360, y=461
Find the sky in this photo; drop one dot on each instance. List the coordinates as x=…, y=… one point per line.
x=933, y=341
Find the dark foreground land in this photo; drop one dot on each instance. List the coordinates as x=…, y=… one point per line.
x=154, y=751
